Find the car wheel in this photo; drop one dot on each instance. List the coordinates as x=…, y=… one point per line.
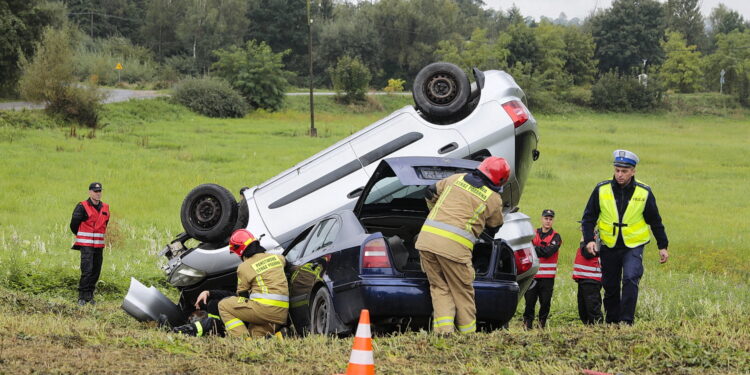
x=322, y=314
x=209, y=213
x=441, y=90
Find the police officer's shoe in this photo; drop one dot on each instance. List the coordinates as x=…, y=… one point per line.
x=81, y=302
x=91, y=302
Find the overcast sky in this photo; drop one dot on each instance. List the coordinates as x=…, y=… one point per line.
x=582, y=8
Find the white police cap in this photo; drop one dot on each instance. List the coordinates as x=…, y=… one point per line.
x=625, y=158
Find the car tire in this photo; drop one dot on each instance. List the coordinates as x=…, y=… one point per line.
x=441, y=90
x=209, y=213
x=322, y=313
x=243, y=215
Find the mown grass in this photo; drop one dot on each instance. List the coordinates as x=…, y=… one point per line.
x=692, y=315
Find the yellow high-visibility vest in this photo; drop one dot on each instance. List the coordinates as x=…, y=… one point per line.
x=635, y=231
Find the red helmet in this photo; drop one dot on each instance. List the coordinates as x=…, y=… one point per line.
x=496, y=169
x=240, y=240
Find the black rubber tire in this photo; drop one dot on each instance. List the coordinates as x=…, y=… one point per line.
x=441, y=90
x=209, y=213
x=322, y=313
x=243, y=215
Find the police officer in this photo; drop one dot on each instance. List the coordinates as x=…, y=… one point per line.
x=623, y=209
x=89, y=224
x=262, y=300
x=461, y=206
x=546, y=243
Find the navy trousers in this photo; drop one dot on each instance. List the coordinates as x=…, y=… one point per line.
x=91, y=268
x=622, y=269
x=542, y=291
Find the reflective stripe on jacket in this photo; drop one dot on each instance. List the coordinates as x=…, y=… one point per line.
x=262, y=275
x=586, y=268
x=633, y=226
x=548, y=265
x=91, y=232
x=458, y=217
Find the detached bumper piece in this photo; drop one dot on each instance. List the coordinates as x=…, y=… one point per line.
x=146, y=304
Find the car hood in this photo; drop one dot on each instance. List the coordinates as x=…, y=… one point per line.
x=146, y=304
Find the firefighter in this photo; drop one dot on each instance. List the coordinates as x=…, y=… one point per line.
x=89, y=224
x=546, y=243
x=587, y=273
x=262, y=302
x=623, y=209
x=461, y=206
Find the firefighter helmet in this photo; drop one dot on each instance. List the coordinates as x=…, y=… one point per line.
x=240, y=240
x=496, y=169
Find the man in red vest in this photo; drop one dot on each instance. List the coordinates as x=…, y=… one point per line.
x=546, y=244
x=89, y=224
x=587, y=273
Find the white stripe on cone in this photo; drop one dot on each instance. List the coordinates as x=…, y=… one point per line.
x=363, y=331
x=361, y=357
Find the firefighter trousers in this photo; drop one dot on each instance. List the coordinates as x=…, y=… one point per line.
x=452, y=292
x=263, y=320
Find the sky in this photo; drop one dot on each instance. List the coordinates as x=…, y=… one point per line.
x=582, y=8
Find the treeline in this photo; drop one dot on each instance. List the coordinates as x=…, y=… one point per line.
x=595, y=62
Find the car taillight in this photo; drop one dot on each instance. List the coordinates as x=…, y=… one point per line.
x=517, y=112
x=524, y=261
x=375, y=254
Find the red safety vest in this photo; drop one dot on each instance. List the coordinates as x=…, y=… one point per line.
x=586, y=268
x=91, y=232
x=547, y=266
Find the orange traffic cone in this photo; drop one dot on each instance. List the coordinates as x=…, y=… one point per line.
x=361, y=361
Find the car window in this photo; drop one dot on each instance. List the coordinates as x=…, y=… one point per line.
x=390, y=188
x=322, y=236
x=298, y=245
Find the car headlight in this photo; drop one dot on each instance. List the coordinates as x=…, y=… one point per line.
x=185, y=275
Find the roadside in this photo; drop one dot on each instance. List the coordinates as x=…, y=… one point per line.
x=122, y=95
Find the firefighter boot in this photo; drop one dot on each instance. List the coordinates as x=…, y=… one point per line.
x=186, y=329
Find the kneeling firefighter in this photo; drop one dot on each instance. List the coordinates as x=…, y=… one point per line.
x=262, y=301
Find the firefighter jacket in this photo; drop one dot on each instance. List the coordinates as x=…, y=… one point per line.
x=459, y=216
x=623, y=215
x=586, y=268
x=262, y=276
x=546, y=246
x=91, y=231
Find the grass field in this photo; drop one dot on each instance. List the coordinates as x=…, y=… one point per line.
x=692, y=315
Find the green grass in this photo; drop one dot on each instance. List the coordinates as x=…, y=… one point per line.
x=691, y=319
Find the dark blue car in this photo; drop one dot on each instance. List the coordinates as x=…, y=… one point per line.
x=365, y=258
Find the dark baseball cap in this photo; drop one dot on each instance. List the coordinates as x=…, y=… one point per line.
x=548, y=212
x=95, y=186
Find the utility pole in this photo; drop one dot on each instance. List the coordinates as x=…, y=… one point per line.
x=313, y=131
x=91, y=24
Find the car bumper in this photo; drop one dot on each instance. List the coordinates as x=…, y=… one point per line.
x=395, y=298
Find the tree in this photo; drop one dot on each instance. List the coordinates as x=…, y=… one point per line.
x=684, y=17
x=724, y=20
x=732, y=56
x=682, y=68
x=282, y=24
x=208, y=25
x=628, y=33
x=158, y=31
x=579, y=55
x=477, y=52
x=22, y=23
x=256, y=72
x=48, y=78
x=105, y=18
x=351, y=77
x=522, y=44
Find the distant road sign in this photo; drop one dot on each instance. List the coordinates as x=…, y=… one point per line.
x=118, y=66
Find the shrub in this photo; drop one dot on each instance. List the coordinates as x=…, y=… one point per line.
x=579, y=95
x=395, y=85
x=351, y=77
x=256, y=72
x=98, y=58
x=49, y=78
x=621, y=93
x=210, y=97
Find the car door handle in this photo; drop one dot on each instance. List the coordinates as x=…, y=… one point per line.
x=356, y=192
x=448, y=148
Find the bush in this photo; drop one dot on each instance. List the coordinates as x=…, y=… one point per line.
x=96, y=59
x=49, y=79
x=256, y=72
x=352, y=77
x=395, y=85
x=579, y=95
x=622, y=94
x=210, y=97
